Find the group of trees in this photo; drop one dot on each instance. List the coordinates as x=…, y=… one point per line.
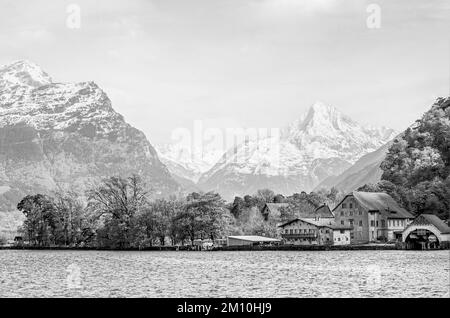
x=416, y=170
x=119, y=214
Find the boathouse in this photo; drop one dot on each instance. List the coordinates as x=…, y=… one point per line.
x=427, y=231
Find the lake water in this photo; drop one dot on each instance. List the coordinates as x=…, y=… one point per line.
x=225, y=274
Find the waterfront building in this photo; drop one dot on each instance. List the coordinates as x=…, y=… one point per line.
x=374, y=216
x=308, y=231
x=427, y=231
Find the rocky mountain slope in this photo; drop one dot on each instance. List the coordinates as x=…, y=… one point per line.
x=66, y=136
x=365, y=171
x=321, y=143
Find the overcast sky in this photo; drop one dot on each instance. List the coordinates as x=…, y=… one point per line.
x=250, y=63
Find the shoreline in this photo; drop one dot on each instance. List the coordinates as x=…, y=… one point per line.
x=226, y=248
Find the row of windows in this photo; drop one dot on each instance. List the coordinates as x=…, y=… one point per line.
x=351, y=222
x=350, y=213
x=350, y=205
x=396, y=222
x=376, y=223
x=298, y=231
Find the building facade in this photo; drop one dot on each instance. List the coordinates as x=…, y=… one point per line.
x=374, y=217
x=314, y=232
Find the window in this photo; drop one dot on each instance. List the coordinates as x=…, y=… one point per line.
x=342, y=213
x=351, y=222
x=286, y=231
x=351, y=205
x=360, y=212
x=360, y=222
x=344, y=205
x=291, y=231
x=372, y=223
x=383, y=223
x=351, y=213
x=376, y=223
x=342, y=231
x=346, y=238
x=342, y=222
x=339, y=239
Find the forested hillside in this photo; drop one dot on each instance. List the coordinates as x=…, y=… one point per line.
x=417, y=166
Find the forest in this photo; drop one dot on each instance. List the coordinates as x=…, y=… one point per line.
x=417, y=167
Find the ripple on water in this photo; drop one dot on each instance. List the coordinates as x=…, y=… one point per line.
x=224, y=274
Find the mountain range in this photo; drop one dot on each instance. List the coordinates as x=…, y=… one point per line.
x=60, y=136
x=320, y=145
x=66, y=136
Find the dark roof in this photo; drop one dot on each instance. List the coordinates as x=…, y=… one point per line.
x=274, y=207
x=324, y=211
x=381, y=202
x=288, y=222
x=433, y=220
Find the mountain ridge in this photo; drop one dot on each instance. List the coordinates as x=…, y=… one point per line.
x=66, y=136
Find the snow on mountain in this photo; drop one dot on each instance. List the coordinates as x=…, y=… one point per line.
x=321, y=143
x=188, y=162
x=66, y=135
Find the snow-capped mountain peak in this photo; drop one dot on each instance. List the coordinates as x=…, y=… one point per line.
x=322, y=142
x=320, y=119
x=23, y=73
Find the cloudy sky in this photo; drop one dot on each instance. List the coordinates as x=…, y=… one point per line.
x=240, y=63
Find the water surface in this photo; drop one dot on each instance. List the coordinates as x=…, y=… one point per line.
x=224, y=274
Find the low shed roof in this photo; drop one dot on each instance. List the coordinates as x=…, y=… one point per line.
x=254, y=238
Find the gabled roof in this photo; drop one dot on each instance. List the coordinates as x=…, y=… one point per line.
x=319, y=223
x=324, y=211
x=382, y=202
x=274, y=207
x=433, y=220
x=379, y=202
